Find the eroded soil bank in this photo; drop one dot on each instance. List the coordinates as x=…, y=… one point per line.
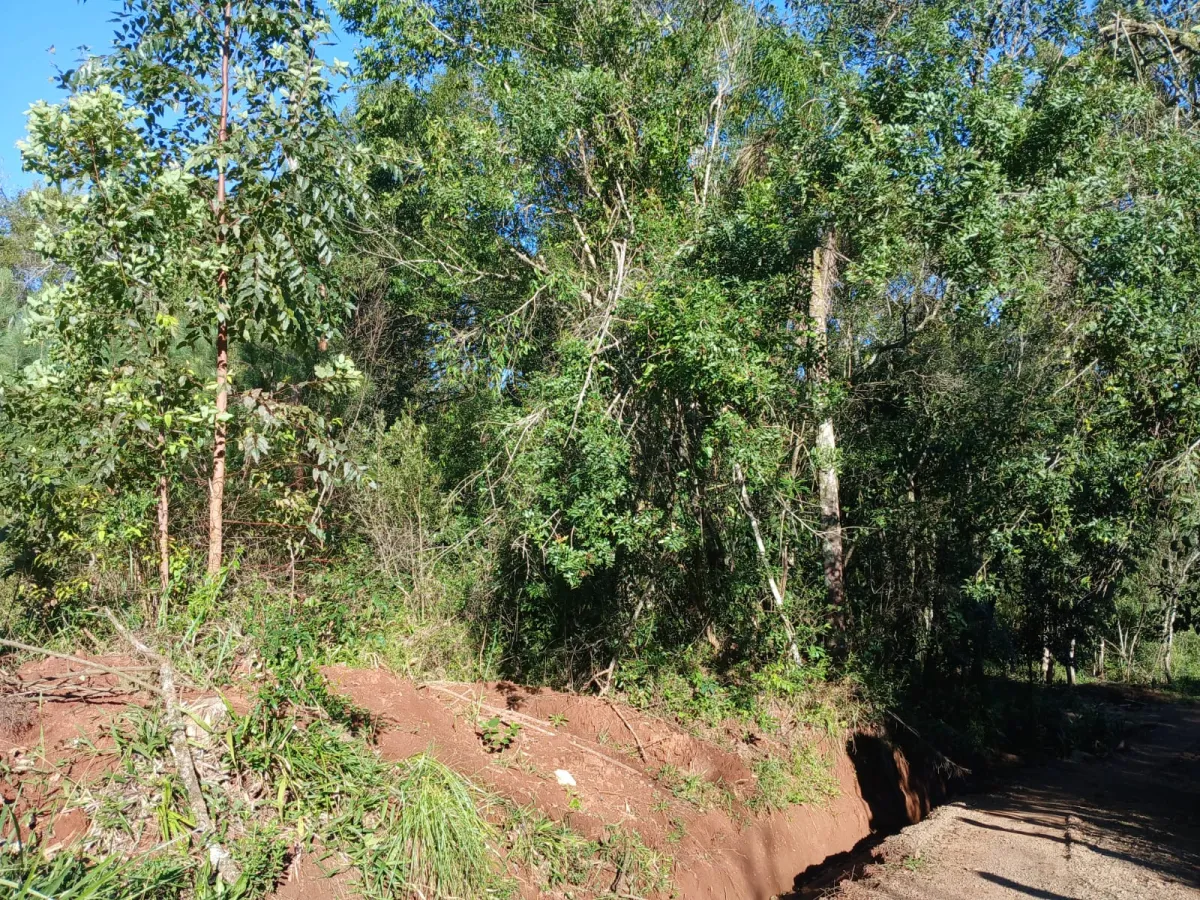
x=627, y=770
x=614, y=754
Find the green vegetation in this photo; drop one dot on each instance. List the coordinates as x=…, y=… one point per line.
x=695, y=789
x=772, y=368
x=805, y=778
x=498, y=735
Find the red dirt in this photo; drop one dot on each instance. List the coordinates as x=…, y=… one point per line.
x=65, y=709
x=66, y=706
x=612, y=751
x=718, y=855
x=308, y=878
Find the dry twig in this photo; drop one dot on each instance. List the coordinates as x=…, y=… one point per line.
x=185, y=765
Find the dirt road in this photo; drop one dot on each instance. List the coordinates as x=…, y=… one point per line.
x=1126, y=828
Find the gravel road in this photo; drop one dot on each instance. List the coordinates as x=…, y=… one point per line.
x=1125, y=828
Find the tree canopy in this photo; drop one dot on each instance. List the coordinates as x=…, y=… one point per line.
x=834, y=339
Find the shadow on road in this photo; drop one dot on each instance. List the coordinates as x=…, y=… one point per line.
x=1141, y=805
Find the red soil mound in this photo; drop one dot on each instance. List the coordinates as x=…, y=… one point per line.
x=612, y=753
x=62, y=707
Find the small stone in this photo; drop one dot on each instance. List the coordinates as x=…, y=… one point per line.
x=565, y=778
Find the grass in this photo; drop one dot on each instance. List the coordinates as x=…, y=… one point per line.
x=26, y=874
x=806, y=778
x=618, y=865
x=407, y=829
x=297, y=772
x=552, y=851
x=640, y=871
x=695, y=789
x=434, y=825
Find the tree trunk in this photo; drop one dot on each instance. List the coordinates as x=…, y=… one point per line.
x=164, y=546
x=1169, y=639
x=1100, y=660
x=824, y=276
x=216, y=492
x=216, y=488
x=1071, y=664
x=776, y=592
x=1047, y=665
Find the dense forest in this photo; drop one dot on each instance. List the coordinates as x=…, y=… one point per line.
x=702, y=354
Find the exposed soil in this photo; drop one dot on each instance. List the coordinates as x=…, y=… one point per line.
x=56, y=709
x=615, y=755
x=1125, y=828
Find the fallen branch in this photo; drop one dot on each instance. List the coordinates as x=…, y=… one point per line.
x=185, y=765
x=640, y=748
x=535, y=724
x=99, y=667
x=942, y=763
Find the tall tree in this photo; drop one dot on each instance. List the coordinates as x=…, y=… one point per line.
x=820, y=308
x=236, y=95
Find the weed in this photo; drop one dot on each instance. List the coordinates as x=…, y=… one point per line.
x=640, y=870
x=696, y=789
x=172, y=821
x=550, y=849
x=804, y=778
x=498, y=735
x=408, y=829
x=25, y=874
x=441, y=839
x=678, y=830
x=558, y=720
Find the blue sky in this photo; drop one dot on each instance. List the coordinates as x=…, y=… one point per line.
x=31, y=28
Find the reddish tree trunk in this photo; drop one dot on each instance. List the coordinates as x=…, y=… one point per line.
x=216, y=493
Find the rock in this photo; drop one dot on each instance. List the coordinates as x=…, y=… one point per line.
x=564, y=778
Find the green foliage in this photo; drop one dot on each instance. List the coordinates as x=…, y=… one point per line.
x=695, y=789
x=498, y=735
x=411, y=827
x=640, y=870
x=804, y=778
x=551, y=849
x=442, y=838
x=598, y=425
x=26, y=874
x=170, y=217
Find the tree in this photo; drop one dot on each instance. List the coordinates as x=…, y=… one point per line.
x=237, y=98
x=181, y=220
x=112, y=402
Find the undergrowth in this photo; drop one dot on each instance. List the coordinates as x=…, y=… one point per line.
x=805, y=778
x=27, y=874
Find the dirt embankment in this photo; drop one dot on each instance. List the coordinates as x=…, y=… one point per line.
x=55, y=713
x=616, y=757
x=614, y=754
